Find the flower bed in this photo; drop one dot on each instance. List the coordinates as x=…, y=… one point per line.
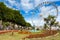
x=44, y=34
x=24, y=32
x=6, y=31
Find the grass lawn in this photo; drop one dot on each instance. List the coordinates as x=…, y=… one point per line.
x=17, y=36
x=8, y=36
x=55, y=37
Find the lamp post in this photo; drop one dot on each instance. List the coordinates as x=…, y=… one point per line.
x=32, y=19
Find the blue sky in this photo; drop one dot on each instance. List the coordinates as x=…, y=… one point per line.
x=28, y=7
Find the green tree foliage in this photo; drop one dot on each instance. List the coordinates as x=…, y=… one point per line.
x=50, y=21
x=28, y=24
x=45, y=26
x=10, y=15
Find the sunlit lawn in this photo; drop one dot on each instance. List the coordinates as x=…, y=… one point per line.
x=56, y=37
x=17, y=36
x=8, y=36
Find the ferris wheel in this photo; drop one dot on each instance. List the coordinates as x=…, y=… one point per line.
x=46, y=5
x=46, y=8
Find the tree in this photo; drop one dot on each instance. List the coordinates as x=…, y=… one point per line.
x=28, y=24
x=45, y=26
x=50, y=21
x=10, y=15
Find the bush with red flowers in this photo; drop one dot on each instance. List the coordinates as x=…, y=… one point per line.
x=24, y=32
x=44, y=34
x=6, y=31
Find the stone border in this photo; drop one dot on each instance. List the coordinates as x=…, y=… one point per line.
x=40, y=38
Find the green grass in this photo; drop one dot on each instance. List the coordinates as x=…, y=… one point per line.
x=17, y=36
x=8, y=36
x=56, y=37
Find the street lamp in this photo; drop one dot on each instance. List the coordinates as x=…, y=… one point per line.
x=32, y=19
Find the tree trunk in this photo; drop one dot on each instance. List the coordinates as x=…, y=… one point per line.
x=50, y=30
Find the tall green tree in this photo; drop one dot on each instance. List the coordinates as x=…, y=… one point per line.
x=28, y=25
x=10, y=15
x=50, y=21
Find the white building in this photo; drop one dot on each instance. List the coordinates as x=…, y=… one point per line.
x=55, y=28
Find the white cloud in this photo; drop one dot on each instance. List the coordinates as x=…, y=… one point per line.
x=52, y=0
x=35, y=21
x=26, y=5
x=58, y=19
x=37, y=2
x=49, y=10
x=12, y=3
x=53, y=12
x=44, y=12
